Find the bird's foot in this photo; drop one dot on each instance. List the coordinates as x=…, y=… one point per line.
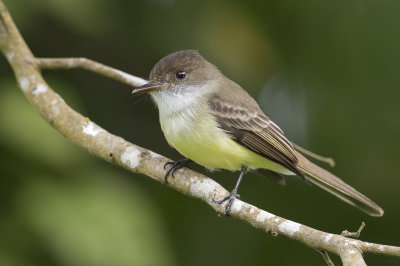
x=230, y=198
x=174, y=167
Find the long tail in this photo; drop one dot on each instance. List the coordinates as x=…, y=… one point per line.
x=336, y=186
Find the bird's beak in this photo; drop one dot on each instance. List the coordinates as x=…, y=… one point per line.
x=149, y=87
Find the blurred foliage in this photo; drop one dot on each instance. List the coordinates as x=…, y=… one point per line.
x=65, y=208
x=327, y=72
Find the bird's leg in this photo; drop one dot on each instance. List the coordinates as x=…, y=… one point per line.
x=233, y=195
x=175, y=166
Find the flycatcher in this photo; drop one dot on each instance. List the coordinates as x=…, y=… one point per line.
x=212, y=121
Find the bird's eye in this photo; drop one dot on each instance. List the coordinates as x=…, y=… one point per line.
x=180, y=74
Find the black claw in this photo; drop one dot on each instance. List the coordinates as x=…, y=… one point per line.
x=175, y=166
x=167, y=163
x=230, y=198
x=233, y=195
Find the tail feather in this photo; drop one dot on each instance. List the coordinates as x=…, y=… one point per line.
x=336, y=186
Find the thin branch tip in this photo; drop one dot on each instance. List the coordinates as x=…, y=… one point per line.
x=326, y=258
x=356, y=234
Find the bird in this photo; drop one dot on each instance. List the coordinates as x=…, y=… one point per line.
x=214, y=122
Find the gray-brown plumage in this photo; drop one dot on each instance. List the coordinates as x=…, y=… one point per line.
x=240, y=116
x=255, y=131
x=187, y=89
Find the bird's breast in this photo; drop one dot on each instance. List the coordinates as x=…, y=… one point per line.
x=195, y=134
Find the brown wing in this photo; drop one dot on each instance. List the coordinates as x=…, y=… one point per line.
x=255, y=131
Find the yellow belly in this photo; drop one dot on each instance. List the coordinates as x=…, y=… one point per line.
x=206, y=144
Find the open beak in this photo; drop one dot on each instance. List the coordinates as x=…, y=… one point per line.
x=149, y=87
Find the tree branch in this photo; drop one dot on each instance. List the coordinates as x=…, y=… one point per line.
x=353, y=234
x=326, y=258
x=114, y=149
x=87, y=64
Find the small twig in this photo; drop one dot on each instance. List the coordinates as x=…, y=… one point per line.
x=315, y=156
x=90, y=65
x=356, y=234
x=326, y=257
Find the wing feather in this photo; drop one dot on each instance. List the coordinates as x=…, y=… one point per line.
x=255, y=131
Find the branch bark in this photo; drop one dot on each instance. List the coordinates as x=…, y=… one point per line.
x=116, y=150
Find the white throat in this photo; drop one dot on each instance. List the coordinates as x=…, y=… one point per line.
x=171, y=102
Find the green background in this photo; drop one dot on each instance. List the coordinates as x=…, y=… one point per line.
x=327, y=72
